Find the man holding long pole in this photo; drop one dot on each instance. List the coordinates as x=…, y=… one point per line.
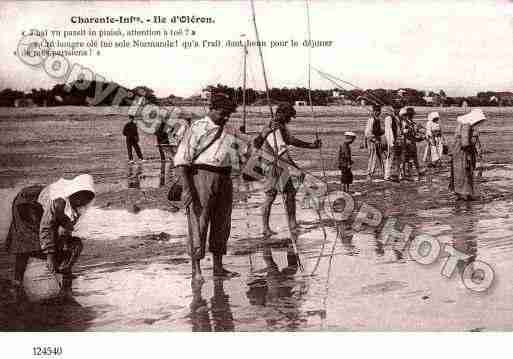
x=284, y=113
x=204, y=160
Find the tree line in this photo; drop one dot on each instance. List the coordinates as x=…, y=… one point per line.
x=74, y=94
x=77, y=94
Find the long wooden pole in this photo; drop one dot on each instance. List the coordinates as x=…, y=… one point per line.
x=268, y=97
x=244, y=90
x=310, y=86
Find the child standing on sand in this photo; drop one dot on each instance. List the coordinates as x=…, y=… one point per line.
x=345, y=162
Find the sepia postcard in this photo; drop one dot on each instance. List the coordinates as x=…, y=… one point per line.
x=255, y=166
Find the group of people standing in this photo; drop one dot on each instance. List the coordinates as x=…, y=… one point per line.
x=393, y=147
x=43, y=217
x=204, y=162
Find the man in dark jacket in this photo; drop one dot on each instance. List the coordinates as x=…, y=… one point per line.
x=132, y=139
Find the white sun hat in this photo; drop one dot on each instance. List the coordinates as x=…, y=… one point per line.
x=64, y=188
x=472, y=118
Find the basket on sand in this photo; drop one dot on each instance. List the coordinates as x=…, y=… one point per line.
x=39, y=284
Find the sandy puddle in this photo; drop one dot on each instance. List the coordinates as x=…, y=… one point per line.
x=353, y=282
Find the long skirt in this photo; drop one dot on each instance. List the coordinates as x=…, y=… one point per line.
x=393, y=162
x=433, y=150
x=462, y=172
x=375, y=157
x=23, y=238
x=23, y=234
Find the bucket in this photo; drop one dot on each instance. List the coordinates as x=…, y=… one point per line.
x=39, y=284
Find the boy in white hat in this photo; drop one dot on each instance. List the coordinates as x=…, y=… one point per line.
x=345, y=162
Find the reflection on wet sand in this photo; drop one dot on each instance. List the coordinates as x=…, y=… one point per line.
x=349, y=245
x=140, y=282
x=149, y=175
x=277, y=292
x=464, y=237
x=64, y=314
x=218, y=317
x=134, y=176
x=163, y=165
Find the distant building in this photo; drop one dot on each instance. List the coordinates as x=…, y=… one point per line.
x=337, y=94
x=433, y=100
x=341, y=101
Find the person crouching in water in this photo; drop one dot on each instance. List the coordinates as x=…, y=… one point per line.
x=278, y=131
x=42, y=223
x=464, y=154
x=345, y=162
x=204, y=161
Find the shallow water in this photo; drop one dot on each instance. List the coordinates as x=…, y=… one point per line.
x=356, y=282
x=129, y=280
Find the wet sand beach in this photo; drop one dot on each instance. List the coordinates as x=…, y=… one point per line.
x=134, y=273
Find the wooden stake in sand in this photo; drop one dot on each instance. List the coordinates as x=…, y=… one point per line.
x=293, y=234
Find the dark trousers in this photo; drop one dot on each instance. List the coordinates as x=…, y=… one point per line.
x=133, y=144
x=213, y=219
x=162, y=153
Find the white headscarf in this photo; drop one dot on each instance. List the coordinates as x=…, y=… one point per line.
x=472, y=118
x=433, y=115
x=64, y=188
x=431, y=125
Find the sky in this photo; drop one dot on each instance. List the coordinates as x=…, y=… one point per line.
x=459, y=46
